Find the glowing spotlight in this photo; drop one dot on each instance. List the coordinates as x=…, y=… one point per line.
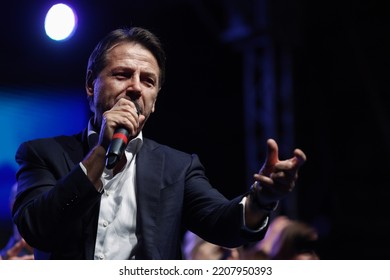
x=60, y=22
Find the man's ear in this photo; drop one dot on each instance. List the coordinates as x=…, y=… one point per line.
x=89, y=84
x=155, y=100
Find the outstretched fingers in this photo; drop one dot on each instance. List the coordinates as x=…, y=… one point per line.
x=300, y=156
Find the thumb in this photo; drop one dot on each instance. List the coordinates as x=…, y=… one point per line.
x=272, y=157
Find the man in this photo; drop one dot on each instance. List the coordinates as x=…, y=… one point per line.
x=71, y=206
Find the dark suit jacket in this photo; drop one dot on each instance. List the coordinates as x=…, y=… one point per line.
x=57, y=207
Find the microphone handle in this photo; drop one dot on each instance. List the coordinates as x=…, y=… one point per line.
x=117, y=147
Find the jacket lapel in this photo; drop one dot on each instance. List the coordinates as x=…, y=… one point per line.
x=149, y=177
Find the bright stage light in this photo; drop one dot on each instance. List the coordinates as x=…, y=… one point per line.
x=60, y=22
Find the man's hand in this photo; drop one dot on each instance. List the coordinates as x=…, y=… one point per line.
x=274, y=181
x=276, y=177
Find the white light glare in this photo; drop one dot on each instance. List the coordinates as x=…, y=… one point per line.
x=60, y=22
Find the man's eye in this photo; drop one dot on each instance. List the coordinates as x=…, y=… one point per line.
x=121, y=75
x=150, y=82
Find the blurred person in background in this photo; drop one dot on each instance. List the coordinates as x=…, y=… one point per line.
x=286, y=239
x=196, y=248
x=16, y=247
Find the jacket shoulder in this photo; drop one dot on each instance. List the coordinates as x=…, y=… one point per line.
x=158, y=147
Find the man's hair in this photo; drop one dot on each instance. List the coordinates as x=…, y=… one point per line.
x=97, y=59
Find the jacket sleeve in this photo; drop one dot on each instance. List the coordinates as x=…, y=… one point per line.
x=53, y=194
x=211, y=215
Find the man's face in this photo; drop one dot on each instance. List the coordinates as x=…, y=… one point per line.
x=131, y=72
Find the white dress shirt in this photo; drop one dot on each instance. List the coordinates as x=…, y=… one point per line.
x=118, y=209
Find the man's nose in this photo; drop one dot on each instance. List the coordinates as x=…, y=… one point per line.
x=134, y=87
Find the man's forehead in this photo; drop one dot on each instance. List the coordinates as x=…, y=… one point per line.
x=131, y=51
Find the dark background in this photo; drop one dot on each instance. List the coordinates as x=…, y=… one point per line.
x=340, y=87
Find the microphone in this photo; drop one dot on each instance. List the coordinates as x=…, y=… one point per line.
x=118, y=144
